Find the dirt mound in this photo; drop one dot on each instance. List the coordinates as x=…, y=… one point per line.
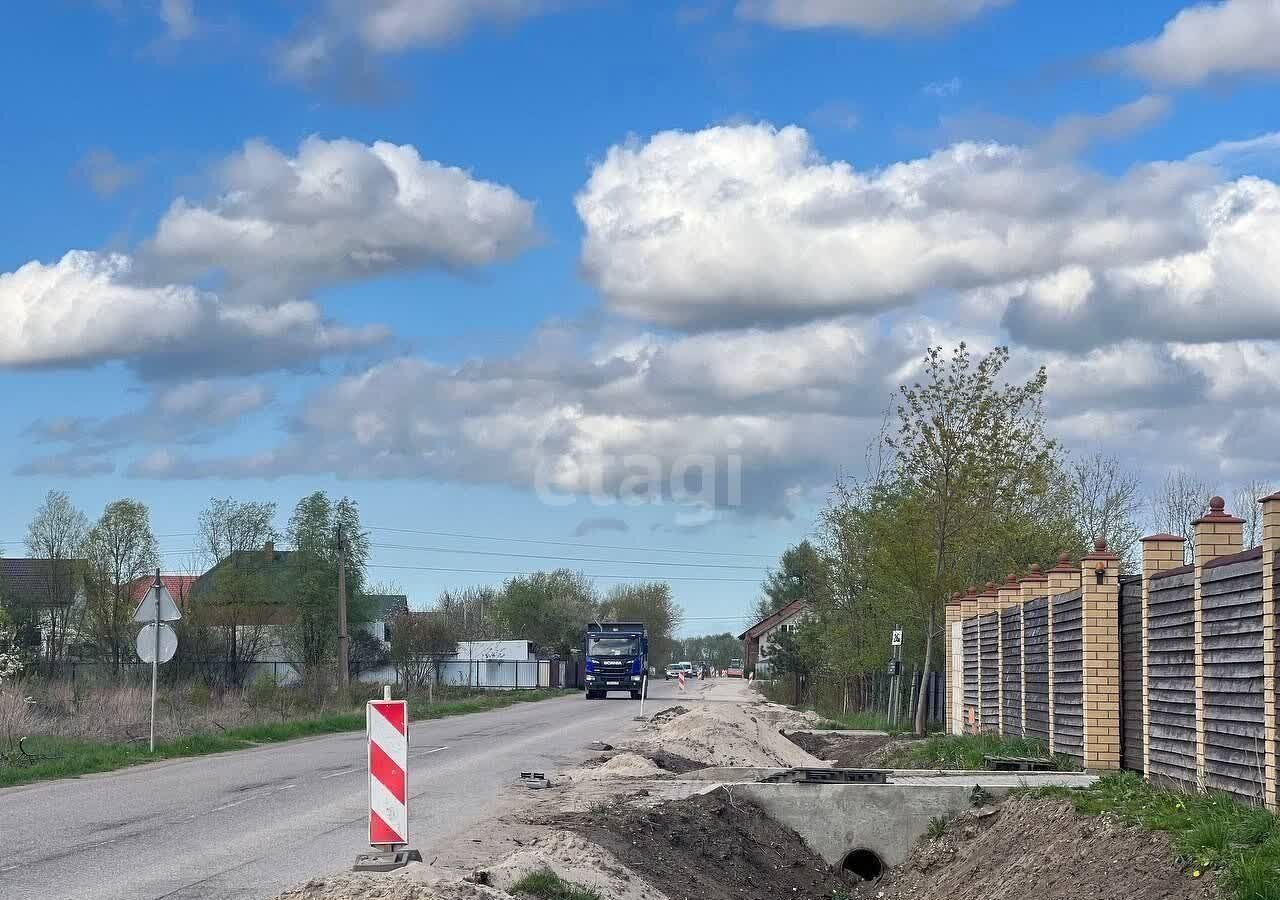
x=674, y=762
x=413, y=882
x=713, y=847
x=621, y=765
x=723, y=735
x=1041, y=849
x=663, y=716
x=574, y=859
x=849, y=751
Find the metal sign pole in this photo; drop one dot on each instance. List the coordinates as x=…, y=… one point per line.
x=155, y=661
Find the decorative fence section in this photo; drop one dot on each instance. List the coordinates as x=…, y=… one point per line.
x=989, y=647
x=1068, y=676
x=1175, y=673
x=1171, y=668
x=1231, y=592
x=972, y=695
x=1011, y=670
x=1035, y=618
x=1131, y=673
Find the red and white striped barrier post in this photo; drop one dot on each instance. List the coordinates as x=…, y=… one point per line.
x=680, y=680
x=387, y=727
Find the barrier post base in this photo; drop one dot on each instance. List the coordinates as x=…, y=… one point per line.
x=385, y=861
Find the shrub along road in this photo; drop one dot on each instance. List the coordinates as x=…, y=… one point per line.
x=249, y=823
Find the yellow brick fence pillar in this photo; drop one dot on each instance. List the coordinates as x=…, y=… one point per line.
x=1270, y=607
x=1063, y=579
x=1100, y=644
x=953, y=701
x=1216, y=534
x=1159, y=552
x=968, y=610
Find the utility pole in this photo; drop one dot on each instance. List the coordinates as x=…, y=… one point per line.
x=343, y=651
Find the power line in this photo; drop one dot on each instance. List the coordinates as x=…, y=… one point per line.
x=647, y=577
x=625, y=562
x=511, y=540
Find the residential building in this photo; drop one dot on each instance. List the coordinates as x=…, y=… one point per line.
x=757, y=639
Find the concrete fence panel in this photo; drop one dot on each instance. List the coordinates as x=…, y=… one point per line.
x=1036, y=660
x=1011, y=670
x=1171, y=670
x=1235, y=753
x=989, y=644
x=1131, y=729
x=1068, y=676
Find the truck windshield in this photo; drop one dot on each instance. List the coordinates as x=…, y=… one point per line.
x=613, y=646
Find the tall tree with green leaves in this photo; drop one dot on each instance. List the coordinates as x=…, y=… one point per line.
x=56, y=536
x=119, y=548
x=969, y=455
x=312, y=637
x=551, y=609
x=802, y=572
x=649, y=602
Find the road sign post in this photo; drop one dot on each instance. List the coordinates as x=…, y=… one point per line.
x=157, y=642
x=387, y=729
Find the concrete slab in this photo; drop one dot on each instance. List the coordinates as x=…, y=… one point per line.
x=887, y=819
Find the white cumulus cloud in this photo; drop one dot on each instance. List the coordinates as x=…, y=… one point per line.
x=337, y=211
x=1230, y=38
x=874, y=16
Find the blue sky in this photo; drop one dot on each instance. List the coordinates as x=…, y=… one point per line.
x=432, y=253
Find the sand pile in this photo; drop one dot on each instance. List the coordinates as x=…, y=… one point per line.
x=574, y=859
x=414, y=882
x=724, y=734
x=623, y=765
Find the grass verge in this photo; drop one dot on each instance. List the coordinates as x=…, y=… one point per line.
x=1209, y=831
x=549, y=886
x=943, y=751
x=60, y=757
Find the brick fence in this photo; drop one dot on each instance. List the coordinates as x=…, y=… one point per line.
x=1171, y=673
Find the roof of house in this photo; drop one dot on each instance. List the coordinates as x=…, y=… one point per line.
x=773, y=619
x=178, y=586
x=29, y=580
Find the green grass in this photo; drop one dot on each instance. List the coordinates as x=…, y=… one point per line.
x=942, y=751
x=548, y=885
x=68, y=757
x=1209, y=831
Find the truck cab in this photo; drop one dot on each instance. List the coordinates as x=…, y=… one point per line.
x=617, y=658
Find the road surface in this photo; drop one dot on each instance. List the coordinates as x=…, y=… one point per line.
x=250, y=823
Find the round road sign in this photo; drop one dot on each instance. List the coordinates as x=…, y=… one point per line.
x=147, y=643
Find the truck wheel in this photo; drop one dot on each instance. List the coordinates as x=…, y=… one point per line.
x=635, y=695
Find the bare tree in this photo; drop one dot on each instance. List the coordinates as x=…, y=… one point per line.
x=1181, y=499
x=1245, y=499
x=230, y=526
x=1107, y=501
x=56, y=536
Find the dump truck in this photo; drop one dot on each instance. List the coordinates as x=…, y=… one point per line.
x=617, y=658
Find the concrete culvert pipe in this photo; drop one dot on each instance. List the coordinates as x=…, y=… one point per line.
x=865, y=864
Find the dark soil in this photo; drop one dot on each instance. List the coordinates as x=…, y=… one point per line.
x=849, y=751
x=667, y=715
x=674, y=762
x=712, y=847
x=1040, y=849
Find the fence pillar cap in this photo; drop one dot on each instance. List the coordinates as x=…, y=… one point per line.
x=1011, y=580
x=1269, y=498
x=972, y=592
x=1064, y=564
x=1153, y=538
x=990, y=591
x=955, y=599
x=1034, y=575
x=1100, y=552
x=1217, y=514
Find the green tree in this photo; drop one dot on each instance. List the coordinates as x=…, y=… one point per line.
x=551, y=609
x=649, y=602
x=120, y=548
x=973, y=472
x=56, y=536
x=419, y=642
x=311, y=638
x=802, y=572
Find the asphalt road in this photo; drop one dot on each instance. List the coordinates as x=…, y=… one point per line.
x=249, y=823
